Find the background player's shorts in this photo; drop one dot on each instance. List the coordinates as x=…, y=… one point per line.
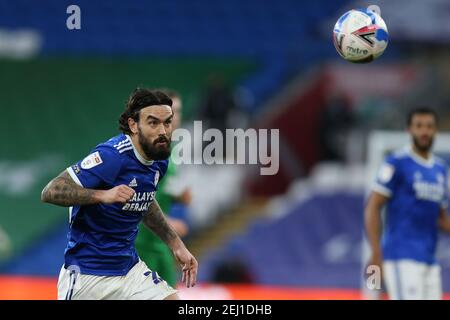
x=412, y=280
x=140, y=283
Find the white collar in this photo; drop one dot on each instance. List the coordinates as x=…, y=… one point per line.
x=138, y=155
x=421, y=160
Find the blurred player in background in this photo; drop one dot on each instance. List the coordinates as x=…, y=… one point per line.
x=412, y=184
x=109, y=193
x=151, y=249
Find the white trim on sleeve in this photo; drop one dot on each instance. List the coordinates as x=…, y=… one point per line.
x=70, y=214
x=73, y=175
x=381, y=189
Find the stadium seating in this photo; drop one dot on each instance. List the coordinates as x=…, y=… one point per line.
x=275, y=35
x=60, y=114
x=317, y=243
x=259, y=46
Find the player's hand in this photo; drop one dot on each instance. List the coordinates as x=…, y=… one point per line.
x=189, y=266
x=186, y=196
x=120, y=194
x=180, y=227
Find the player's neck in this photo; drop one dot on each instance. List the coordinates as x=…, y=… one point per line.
x=423, y=154
x=138, y=148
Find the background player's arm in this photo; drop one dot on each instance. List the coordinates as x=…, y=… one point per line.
x=372, y=220
x=444, y=221
x=180, y=225
x=156, y=221
x=63, y=191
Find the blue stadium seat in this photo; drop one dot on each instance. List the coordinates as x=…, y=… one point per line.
x=198, y=27
x=316, y=244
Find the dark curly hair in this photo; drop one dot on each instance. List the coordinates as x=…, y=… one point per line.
x=139, y=99
x=421, y=110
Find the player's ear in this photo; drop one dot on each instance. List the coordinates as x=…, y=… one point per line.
x=408, y=127
x=132, y=125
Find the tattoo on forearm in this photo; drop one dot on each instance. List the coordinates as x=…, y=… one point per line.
x=65, y=192
x=156, y=221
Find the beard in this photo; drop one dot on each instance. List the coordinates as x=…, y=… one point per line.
x=151, y=150
x=423, y=147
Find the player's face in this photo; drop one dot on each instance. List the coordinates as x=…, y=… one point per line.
x=154, y=131
x=423, y=130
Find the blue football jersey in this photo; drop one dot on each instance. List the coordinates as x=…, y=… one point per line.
x=417, y=191
x=101, y=237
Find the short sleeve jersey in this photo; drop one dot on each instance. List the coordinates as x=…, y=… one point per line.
x=101, y=236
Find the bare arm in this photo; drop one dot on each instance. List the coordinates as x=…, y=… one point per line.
x=185, y=197
x=180, y=227
x=372, y=220
x=158, y=223
x=63, y=191
x=444, y=221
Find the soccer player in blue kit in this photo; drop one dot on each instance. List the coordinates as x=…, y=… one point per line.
x=412, y=185
x=108, y=193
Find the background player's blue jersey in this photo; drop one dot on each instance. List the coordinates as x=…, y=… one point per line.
x=417, y=189
x=101, y=237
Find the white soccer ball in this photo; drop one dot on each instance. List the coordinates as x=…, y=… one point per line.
x=360, y=36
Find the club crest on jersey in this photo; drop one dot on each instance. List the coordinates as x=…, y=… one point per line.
x=91, y=160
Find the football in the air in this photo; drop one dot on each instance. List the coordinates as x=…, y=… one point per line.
x=360, y=36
